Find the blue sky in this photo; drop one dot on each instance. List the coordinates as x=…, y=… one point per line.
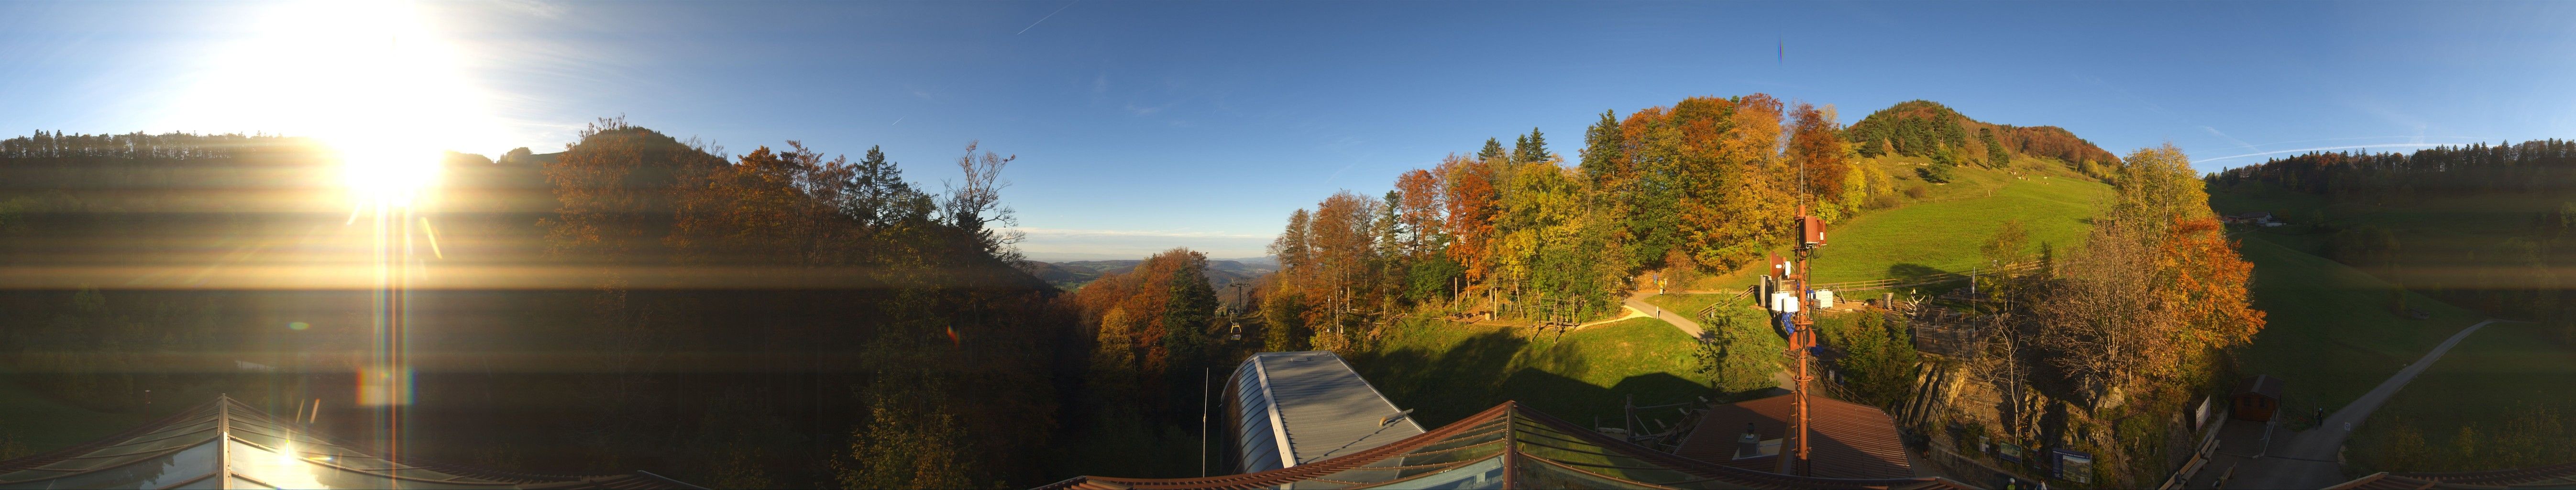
x=1146, y=125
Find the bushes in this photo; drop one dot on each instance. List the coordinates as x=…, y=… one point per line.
x=1937, y=174
x=1878, y=359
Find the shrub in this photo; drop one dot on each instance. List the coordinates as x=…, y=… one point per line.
x=1883, y=201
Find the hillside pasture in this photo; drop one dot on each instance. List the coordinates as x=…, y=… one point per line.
x=2330, y=333
x=1446, y=371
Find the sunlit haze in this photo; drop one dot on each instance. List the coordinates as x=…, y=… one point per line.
x=1144, y=244
x=1270, y=104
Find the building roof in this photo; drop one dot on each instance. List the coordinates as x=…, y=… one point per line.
x=2261, y=384
x=1325, y=407
x=2561, y=475
x=1508, y=446
x=1851, y=440
x=226, y=444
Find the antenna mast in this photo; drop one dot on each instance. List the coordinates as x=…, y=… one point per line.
x=1800, y=326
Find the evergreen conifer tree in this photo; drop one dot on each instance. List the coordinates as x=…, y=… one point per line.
x=1601, y=148
x=1530, y=148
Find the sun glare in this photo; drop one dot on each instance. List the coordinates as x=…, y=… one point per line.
x=370, y=79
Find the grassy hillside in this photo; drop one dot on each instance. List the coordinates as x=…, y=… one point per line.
x=1941, y=230
x=2439, y=237
x=2331, y=333
x=1942, y=233
x=1445, y=371
x=2491, y=372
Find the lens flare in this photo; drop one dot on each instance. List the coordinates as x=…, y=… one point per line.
x=370, y=79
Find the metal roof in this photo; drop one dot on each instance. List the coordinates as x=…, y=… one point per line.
x=1507, y=446
x=2260, y=384
x=226, y=444
x=1324, y=407
x=1851, y=440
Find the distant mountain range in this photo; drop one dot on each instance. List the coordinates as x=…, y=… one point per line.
x=1221, y=272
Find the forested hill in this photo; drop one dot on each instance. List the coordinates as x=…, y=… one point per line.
x=2483, y=226
x=635, y=301
x=1923, y=128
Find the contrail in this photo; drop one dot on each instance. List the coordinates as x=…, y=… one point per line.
x=1049, y=15
x=897, y=120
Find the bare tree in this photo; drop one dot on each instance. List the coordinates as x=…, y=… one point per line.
x=2100, y=317
x=976, y=203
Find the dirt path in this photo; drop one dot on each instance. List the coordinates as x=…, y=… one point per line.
x=2308, y=460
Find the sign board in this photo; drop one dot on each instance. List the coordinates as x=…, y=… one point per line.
x=2072, y=465
x=2200, y=417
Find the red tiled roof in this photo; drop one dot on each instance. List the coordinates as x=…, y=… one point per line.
x=1851, y=440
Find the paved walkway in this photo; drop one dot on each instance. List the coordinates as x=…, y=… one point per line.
x=1681, y=320
x=2308, y=459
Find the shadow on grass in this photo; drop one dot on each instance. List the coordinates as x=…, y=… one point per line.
x=1489, y=368
x=1446, y=385
x=1910, y=271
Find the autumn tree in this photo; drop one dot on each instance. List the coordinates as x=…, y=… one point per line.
x=1472, y=201
x=1283, y=318
x=1737, y=195
x=1113, y=356
x=2155, y=292
x=1817, y=151
x=1343, y=239
x=1419, y=209
x=911, y=441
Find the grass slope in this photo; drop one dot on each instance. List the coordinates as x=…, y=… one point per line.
x=2329, y=322
x=1943, y=233
x=2329, y=333
x=1446, y=371
x=2438, y=237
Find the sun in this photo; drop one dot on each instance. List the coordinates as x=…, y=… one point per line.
x=370, y=79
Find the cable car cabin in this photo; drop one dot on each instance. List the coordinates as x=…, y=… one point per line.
x=2256, y=399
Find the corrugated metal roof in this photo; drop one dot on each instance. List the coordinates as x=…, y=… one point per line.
x=1325, y=407
x=1851, y=440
